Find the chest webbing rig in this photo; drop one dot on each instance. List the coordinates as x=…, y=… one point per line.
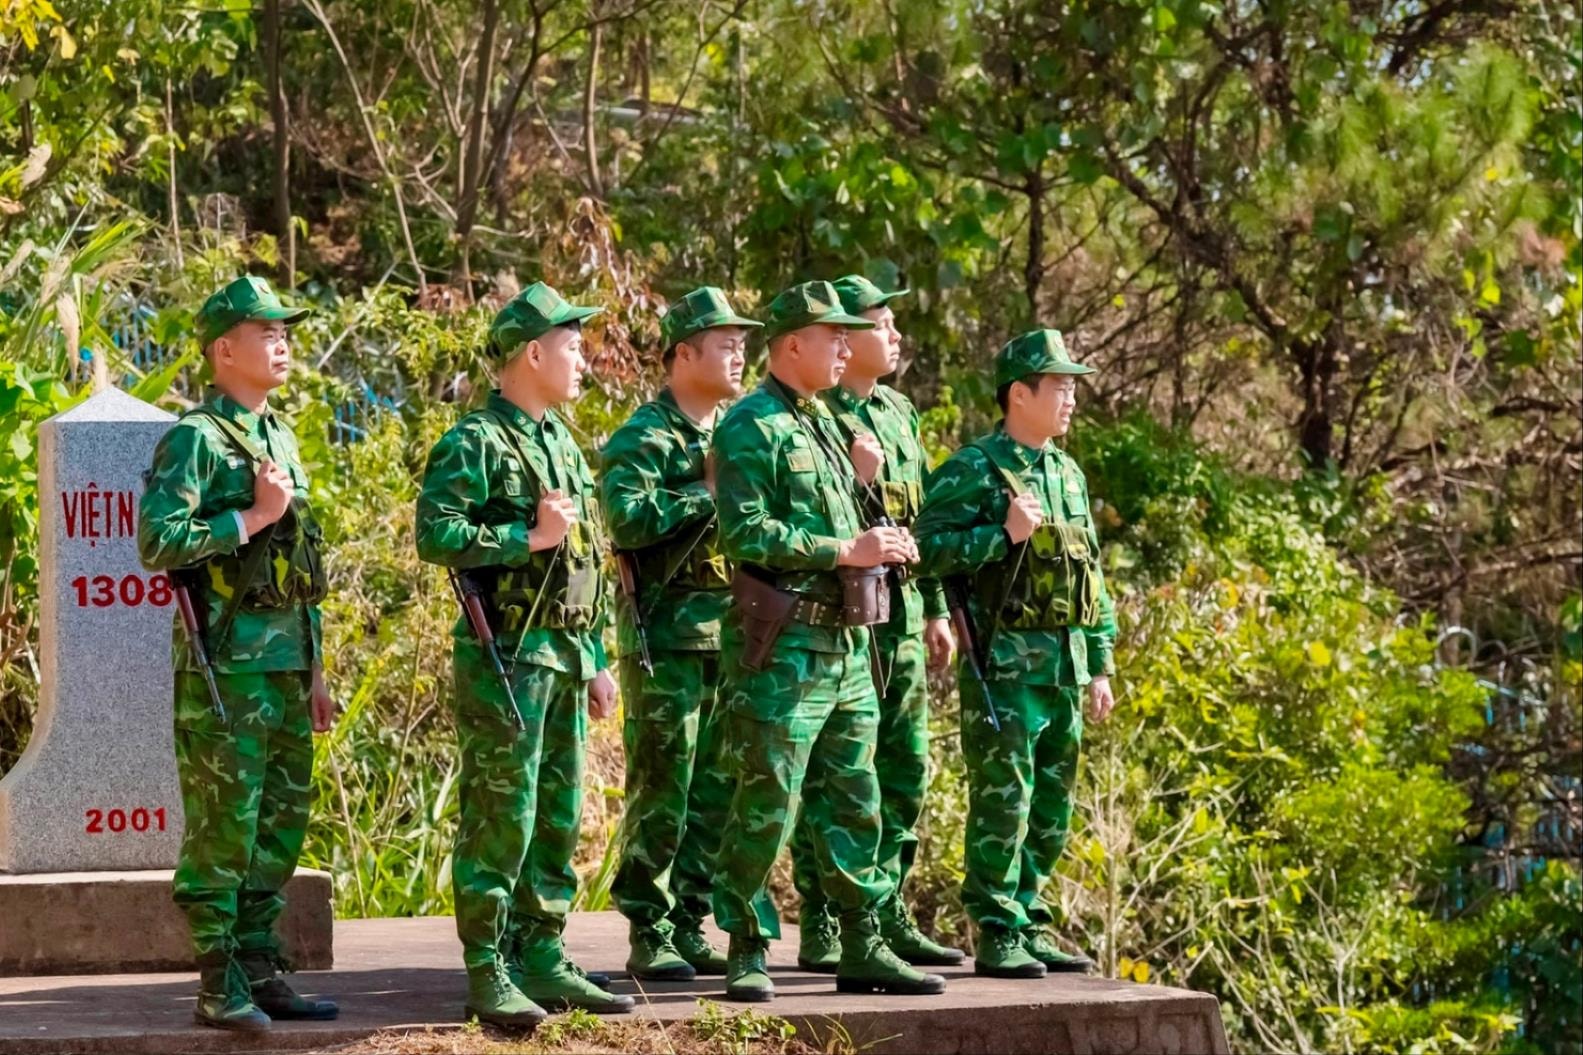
x=1052, y=582
x=557, y=588
x=282, y=566
x=690, y=559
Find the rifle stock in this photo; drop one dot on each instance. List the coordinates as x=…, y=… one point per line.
x=469, y=596
x=627, y=573
x=189, y=619
x=962, y=622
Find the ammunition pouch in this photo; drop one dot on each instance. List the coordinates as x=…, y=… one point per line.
x=865, y=595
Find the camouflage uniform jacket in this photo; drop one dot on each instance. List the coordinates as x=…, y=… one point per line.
x=657, y=505
x=961, y=531
x=480, y=498
x=189, y=516
x=783, y=505
x=891, y=418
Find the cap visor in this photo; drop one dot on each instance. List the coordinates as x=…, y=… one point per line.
x=841, y=318
x=574, y=313
x=737, y=320
x=289, y=316
x=886, y=298
x=1070, y=369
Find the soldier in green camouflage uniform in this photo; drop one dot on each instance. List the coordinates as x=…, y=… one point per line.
x=881, y=423
x=226, y=513
x=657, y=488
x=508, y=500
x=1006, y=520
x=803, y=721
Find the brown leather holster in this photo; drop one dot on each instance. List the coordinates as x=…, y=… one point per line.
x=765, y=613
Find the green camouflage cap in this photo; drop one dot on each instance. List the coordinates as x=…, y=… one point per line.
x=244, y=299
x=531, y=314
x=1035, y=352
x=858, y=294
x=810, y=304
x=703, y=309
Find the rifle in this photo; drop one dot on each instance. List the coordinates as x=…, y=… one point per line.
x=189, y=619
x=469, y=594
x=962, y=622
x=627, y=572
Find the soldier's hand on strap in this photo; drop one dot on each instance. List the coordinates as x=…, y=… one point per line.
x=867, y=457
x=1100, y=698
x=1024, y=517
x=557, y=514
x=877, y=545
x=602, y=695
x=272, y=494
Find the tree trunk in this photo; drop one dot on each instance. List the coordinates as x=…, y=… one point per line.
x=170, y=162
x=1317, y=362
x=1033, y=272
x=285, y=234
x=590, y=146
x=472, y=165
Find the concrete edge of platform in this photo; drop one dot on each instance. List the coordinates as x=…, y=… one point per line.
x=96, y=923
x=1170, y=1023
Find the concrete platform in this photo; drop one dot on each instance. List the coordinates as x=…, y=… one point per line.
x=406, y=973
x=104, y=922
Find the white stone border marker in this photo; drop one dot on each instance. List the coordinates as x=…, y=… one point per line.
x=96, y=788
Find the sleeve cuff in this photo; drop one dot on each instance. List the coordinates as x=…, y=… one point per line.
x=1107, y=662
x=699, y=500
x=226, y=533
x=241, y=527
x=515, y=548
x=826, y=552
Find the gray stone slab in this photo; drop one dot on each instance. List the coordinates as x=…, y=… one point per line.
x=406, y=975
x=96, y=788
x=108, y=922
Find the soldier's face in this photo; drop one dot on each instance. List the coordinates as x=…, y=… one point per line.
x=714, y=359
x=557, y=363
x=1054, y=401
x=875, y=352
x=253, y=354
x=821, y=356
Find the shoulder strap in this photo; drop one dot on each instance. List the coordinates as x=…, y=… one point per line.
x=668, y=416
x=240, y=441
x=1013, y=481
x=894, y=399
x=258, y=545
x=515, y=443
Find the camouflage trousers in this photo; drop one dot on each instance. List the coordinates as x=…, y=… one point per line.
x=677, y=788
x=901, y=763
x=801, y=737
x=1019, y=783
x=520, y=803
x=246, y=785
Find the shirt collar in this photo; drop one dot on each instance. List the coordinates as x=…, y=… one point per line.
x=519, y=417
x=1023, y=455
x=813, y=407
x=231, y=410
x=666, y=401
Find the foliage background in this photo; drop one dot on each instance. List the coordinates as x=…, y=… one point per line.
x=1325, y=254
